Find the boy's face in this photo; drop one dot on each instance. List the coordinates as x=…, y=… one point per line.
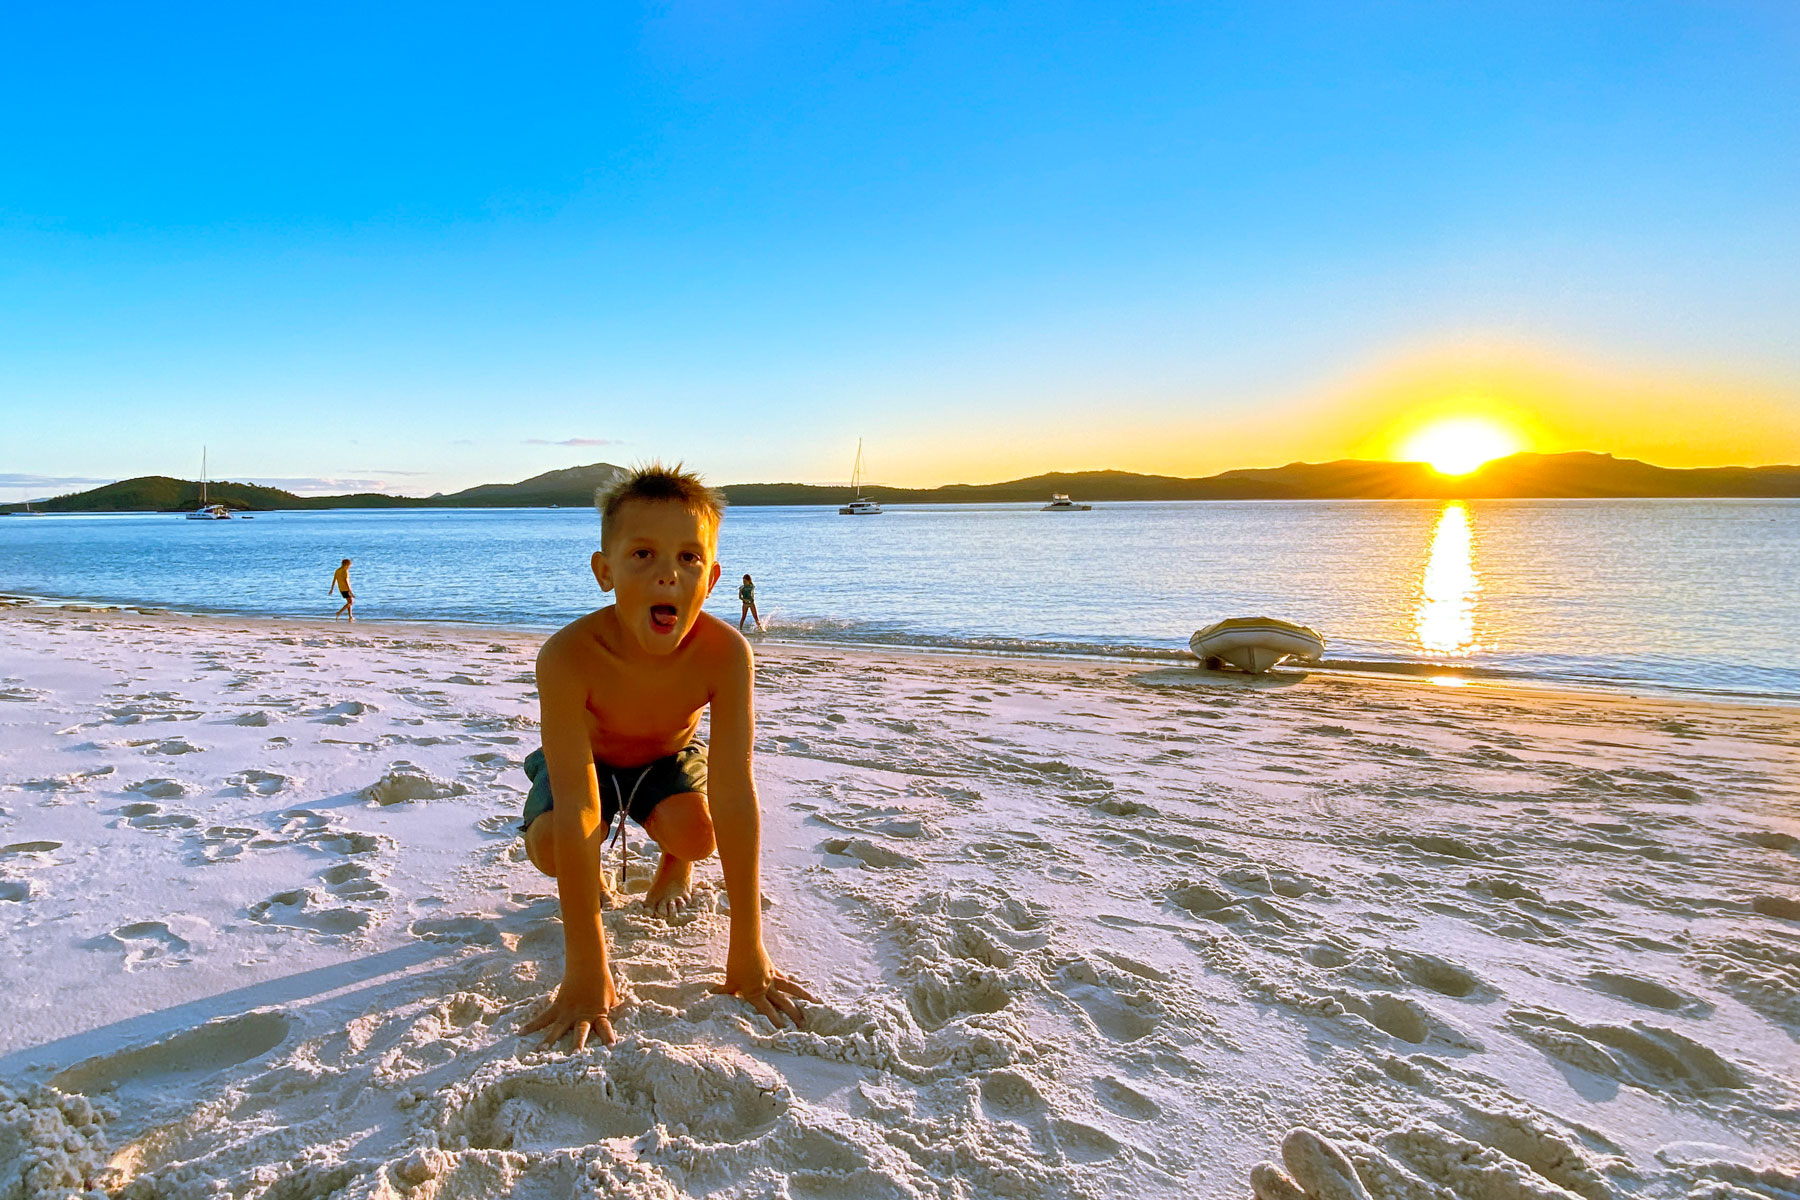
x=660, y=566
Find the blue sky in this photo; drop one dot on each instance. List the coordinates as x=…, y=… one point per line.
x=428, y=246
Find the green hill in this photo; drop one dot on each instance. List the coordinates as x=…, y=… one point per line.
x=1518, y=477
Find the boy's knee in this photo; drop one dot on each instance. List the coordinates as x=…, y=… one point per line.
x=682, y=826
x=540, y=847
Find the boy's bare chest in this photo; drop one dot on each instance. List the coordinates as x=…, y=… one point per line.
x=632, y=715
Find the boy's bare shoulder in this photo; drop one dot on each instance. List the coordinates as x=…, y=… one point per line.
x=575, y=645
x=722, y=649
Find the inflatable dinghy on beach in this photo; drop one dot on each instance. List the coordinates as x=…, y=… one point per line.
x=1255, y=644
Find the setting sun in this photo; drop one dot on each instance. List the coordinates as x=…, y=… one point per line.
x=1460, y=444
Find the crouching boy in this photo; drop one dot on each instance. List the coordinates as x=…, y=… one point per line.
x=621, y=691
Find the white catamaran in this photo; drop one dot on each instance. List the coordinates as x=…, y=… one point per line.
x=859, y=506
x=207, y=512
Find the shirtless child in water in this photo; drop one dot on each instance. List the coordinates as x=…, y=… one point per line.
x=621, y=691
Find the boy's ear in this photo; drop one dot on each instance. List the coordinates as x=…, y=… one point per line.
x=602, y=571
x=713, y=579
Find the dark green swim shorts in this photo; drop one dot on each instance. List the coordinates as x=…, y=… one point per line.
x=637, y=790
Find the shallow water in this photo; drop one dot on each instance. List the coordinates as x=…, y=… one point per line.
x=1685, y=594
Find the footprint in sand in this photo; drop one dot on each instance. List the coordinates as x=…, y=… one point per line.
x=143, y=942
x=347, y=713
x=1773, y=839
x=1646, y=992
x=172, y=746
x=345, y=841
x=868, y=853
x=259, y=783
x=29, y=848
x=353, y=881
x=499, y=825
x=722, y=1096
x=458, y=930
x=73, y=782
x=305, y=908
x=145, y=815
x=1436, y=974
x=18, y=860
x=177, y=1060
x=1645, y=1056
x=406, y=783
x=1125, y=1100
x=15, y=690
x=159, y=789
x=222, y=843
x=1784, y=908
x=1122, y=1015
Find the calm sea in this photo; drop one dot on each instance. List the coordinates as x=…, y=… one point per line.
x=1688, y=595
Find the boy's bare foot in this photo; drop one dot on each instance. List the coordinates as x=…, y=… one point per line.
x=673, y=888
x=609, y=893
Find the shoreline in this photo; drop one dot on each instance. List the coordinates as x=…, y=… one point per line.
x=1434, y=675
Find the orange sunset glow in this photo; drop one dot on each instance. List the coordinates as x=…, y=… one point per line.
x=1459, y=445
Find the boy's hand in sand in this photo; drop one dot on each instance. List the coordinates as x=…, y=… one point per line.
x=750, y=976
x=579, y=1009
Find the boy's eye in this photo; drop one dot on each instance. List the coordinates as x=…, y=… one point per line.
x=690, y=557
x=640, y=553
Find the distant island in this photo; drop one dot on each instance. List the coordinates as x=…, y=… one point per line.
x=1517, y=477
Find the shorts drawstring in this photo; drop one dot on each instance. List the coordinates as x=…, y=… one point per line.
x=625, y=799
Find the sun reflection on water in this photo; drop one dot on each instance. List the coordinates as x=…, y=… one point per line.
x=1445, y=619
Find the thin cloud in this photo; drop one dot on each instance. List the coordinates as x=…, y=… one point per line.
x=574, y=442
x=314, y=485
x=21, y=480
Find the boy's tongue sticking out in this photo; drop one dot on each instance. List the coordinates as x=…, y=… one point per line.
x=664, y=618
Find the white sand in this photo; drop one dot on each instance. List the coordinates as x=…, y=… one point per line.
x=1081, y=929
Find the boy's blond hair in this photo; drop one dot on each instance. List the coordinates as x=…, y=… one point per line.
x=654, y=481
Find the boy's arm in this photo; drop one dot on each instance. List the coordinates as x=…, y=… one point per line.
x=586, y=995
x=737, y=828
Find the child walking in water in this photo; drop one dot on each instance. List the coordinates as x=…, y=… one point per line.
x=340, y=583
x=747, y=593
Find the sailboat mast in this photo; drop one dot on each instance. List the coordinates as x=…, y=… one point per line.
x=203, y=477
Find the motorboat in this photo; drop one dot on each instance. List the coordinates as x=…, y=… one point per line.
x=1061, y=503
x=861, y=506
x=1255, y=644
x=206, y=511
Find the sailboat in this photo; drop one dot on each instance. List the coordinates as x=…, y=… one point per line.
x=207, y=512
x=859, y=506
x=28, y=511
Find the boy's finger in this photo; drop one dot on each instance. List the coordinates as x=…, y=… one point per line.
x=788, y=1008
x=536, y=1023
x=581, y=1032
x=604, y=1026
x=768, y=1010
x=788, y=985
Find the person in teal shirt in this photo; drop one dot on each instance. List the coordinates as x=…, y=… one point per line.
x=747, y=593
